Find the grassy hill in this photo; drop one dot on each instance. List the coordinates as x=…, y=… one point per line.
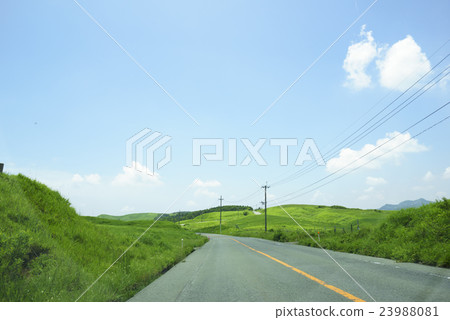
x=50, y=253
x=310, y=217
x=187, y=215
x=131, y=216
x=418, y=235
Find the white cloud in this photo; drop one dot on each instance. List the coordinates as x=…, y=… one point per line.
x=349, y=157
x=203, y=188
x=369, y=189
x=428, y=176
x=359, y=56
x=91, y=178
x=446, y=174
x=77, y=178
x=270, y=196
x=403, y=63
x=372, y=181
x=210, y=183
x=443, y=84
x=136, y=176
x=205, y=192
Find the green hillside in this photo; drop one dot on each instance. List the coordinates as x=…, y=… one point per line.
x=131, y=216
x=49, y=253
x=187, y=215
x=418, y=235
x=310, y=217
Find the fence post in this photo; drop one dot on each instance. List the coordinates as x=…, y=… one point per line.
x=334, y=229
x=351, y=227
x=357, y=221
x=1, y=167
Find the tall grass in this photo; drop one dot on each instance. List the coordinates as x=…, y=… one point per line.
x=49, y=253
x=419, y=235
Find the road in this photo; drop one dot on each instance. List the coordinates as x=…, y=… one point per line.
x=248, y=269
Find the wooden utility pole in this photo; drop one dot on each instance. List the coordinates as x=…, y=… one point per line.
x=220, y=213
x=265, y=206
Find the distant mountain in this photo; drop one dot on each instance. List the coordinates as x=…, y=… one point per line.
x=406, y=204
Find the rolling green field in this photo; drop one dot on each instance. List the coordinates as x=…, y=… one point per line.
x=419, y=235
x=310, y=217
x=131, y=216
x=50, y=253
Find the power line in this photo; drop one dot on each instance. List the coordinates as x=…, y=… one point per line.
x=371, y=128
x=313, y=63
x=377, y=124
x=373, y=159
x=348, y=127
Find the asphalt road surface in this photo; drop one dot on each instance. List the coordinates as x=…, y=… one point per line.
x=248, y=269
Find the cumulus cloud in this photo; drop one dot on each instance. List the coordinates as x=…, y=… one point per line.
x=428, y=176
x=77, y=178
x=371, y=191
x=399, y=65
x=210, y=183
x=359, y=56
x=403, y=63
x=202, y=188
x=372, y=181
x=205, y=192
x=446, y=174
x=349, y=158
x=136, y=175
x=91, y=178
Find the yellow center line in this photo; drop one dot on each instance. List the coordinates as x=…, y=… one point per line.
x=323, y=283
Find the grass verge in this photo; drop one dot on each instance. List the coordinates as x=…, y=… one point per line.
x=50, y=253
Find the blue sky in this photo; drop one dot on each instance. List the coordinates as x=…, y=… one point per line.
x=70, y=98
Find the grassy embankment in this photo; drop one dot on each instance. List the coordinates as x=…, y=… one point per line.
x=50, y=253
x=418, y=235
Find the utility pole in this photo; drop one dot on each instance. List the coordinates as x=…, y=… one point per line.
x=265, y=206
x=220, y=213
